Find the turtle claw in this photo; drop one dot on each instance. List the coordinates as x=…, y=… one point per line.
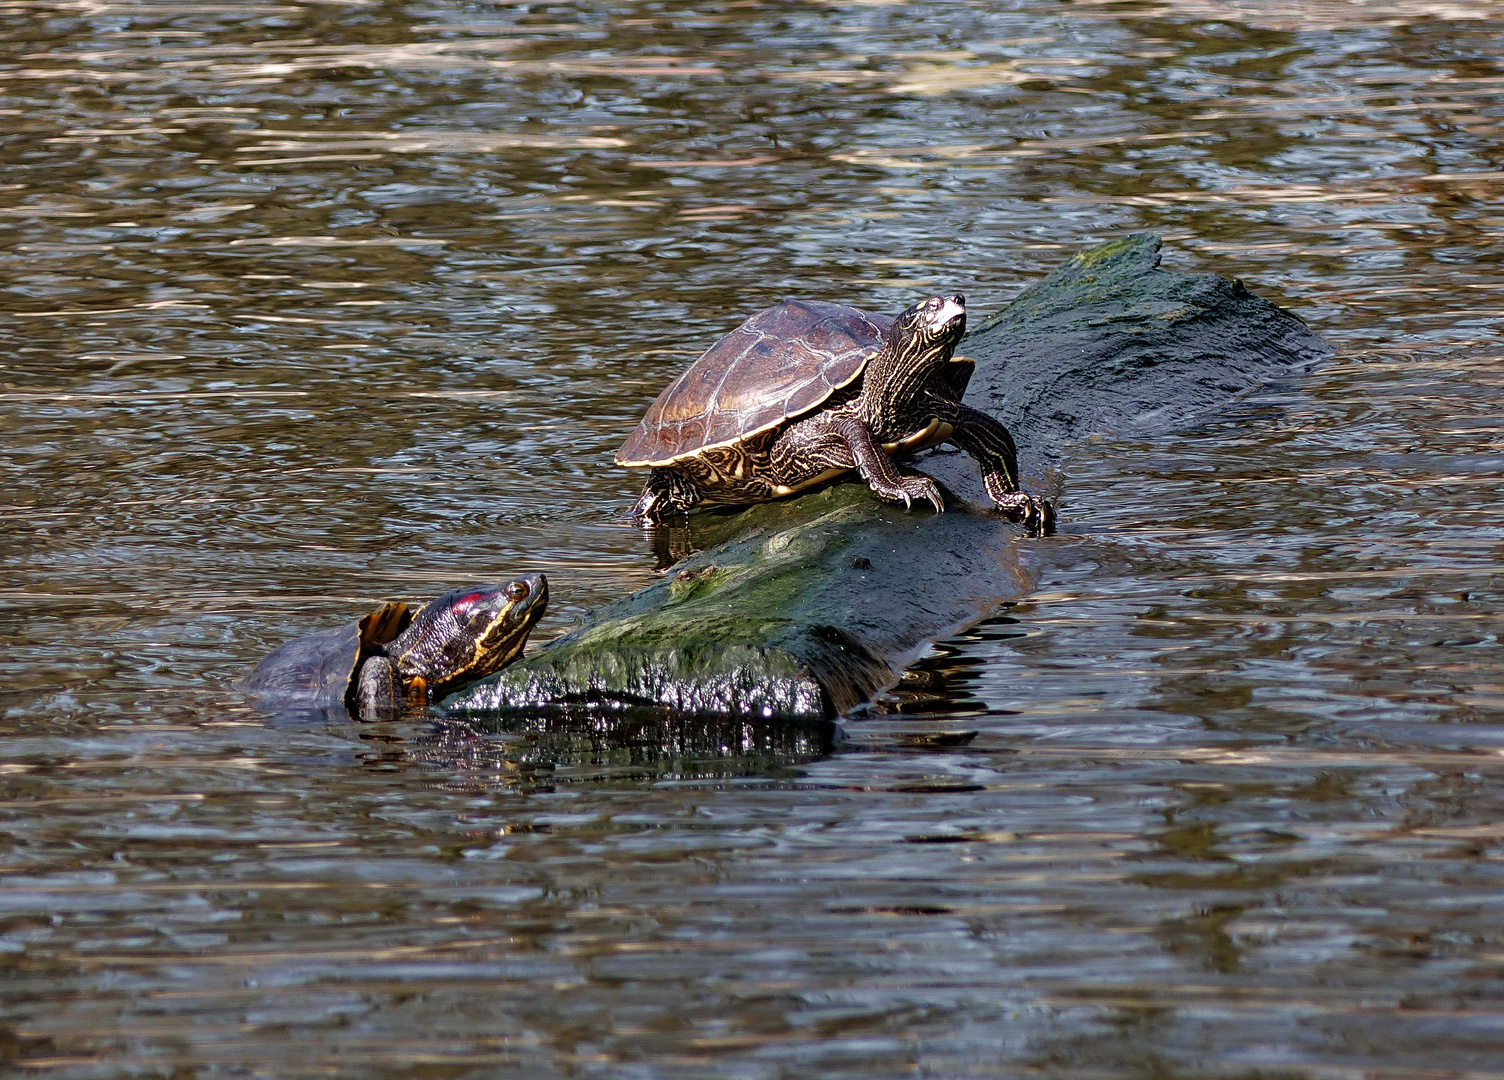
x=921, y=488
x=910, y=489
x=913, y=489
x=1036, y=515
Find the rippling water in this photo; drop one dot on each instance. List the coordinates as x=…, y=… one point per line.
x=314, y=304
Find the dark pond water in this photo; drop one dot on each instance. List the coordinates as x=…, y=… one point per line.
x=314, y=304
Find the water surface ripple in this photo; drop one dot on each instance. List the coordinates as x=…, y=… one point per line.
x=313, y=304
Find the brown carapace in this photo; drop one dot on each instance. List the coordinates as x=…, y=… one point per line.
x=807, y=390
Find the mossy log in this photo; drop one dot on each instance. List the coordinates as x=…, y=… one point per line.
x=811, y=606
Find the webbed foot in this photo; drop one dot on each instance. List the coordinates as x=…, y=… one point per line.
x=1035, y=514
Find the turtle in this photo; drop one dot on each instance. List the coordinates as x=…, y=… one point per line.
x=392, y=657
x=807, y=390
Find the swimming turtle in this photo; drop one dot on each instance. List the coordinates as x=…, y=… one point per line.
x=807, y=390
x=392, y=656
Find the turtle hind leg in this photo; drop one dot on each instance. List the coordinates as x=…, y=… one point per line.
x=666, y=493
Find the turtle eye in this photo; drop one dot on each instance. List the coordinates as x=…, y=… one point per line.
x=517, y=591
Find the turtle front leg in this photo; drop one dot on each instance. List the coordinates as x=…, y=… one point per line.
x=878, y=469
x=666, y=493
x=379, y=692
x=828, y=444
x=835, y=444
x=990, y=445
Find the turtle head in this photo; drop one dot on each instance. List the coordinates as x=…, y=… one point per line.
x=467, y=634
x=936, y=318
x=920, y=342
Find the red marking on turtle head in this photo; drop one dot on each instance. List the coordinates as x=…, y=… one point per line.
x=464, y=603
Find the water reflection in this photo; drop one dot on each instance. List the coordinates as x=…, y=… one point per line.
x=574, y=744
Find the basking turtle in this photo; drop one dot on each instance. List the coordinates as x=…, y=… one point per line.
x=393, y=656
x=807, y=390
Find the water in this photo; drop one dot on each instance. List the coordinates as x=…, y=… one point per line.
x=316, y=304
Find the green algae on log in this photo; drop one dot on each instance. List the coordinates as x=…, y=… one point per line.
x=1111, y=342
x=811, y=606
x=826, y=602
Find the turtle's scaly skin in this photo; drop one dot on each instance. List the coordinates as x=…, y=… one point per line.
x=393, y=657
x=805, y=391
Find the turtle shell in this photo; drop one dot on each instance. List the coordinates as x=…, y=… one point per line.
x=318, y=669
x=779, y=364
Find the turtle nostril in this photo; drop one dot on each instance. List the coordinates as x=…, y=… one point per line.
x=517, y=591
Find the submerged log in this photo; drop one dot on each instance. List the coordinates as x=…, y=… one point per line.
x=809, y=607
